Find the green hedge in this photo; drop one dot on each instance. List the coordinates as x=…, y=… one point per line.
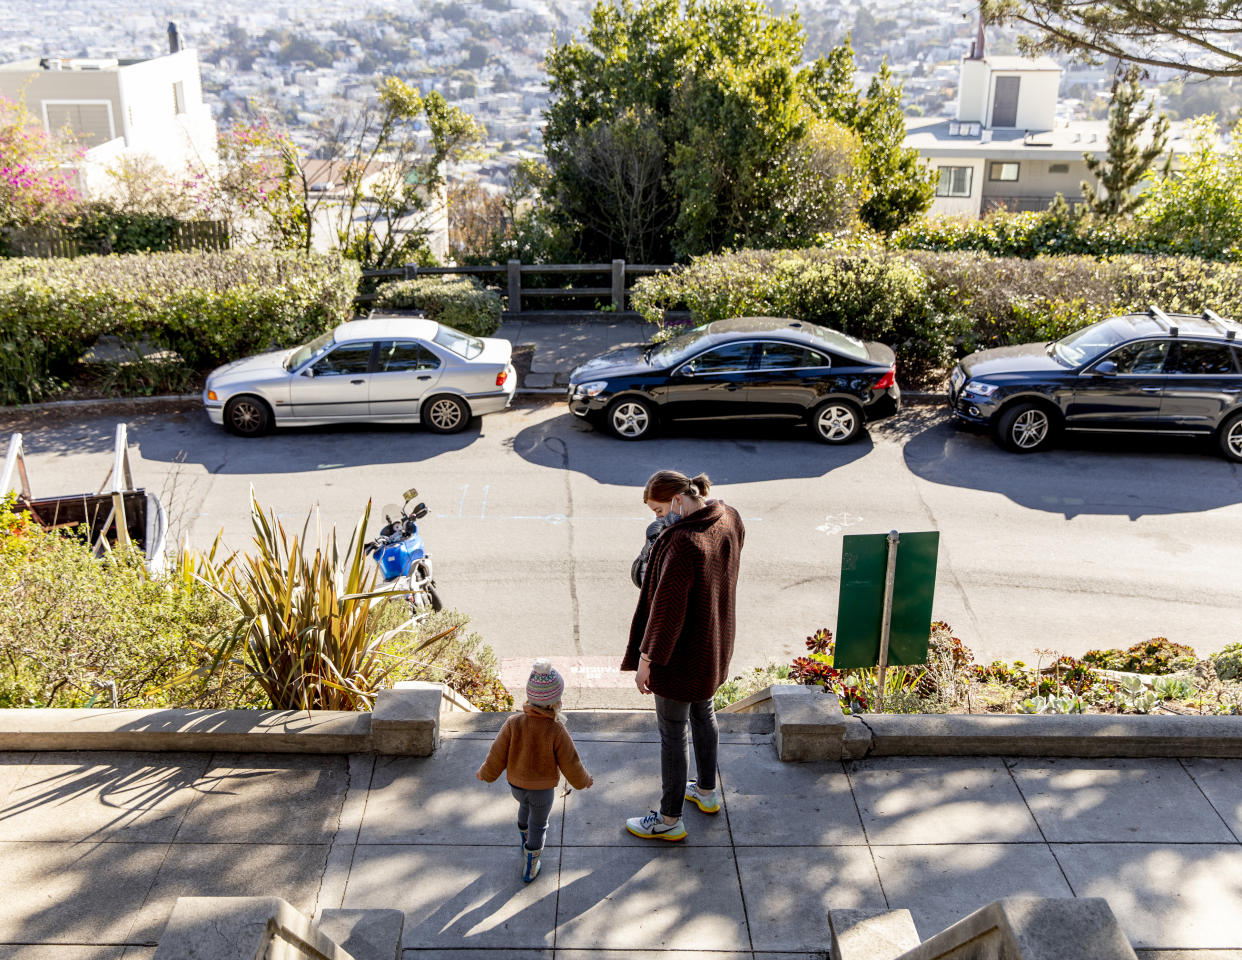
x=1051, y=232
x=207, y=307
x=931, y=307
x=460, y=302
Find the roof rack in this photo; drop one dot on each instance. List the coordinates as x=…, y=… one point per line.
x=1162, y=318
x=1220, y=323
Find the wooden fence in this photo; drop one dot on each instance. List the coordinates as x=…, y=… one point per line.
x=44, y=241
x=616, y=272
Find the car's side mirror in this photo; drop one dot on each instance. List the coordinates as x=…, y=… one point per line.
x=686, y=371
x=1106, y=369
x=308, y=372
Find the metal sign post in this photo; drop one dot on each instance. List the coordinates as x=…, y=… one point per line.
x=886, y=624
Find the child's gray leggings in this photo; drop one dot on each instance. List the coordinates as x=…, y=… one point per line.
x=534, y=808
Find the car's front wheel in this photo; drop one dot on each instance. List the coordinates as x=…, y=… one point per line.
x=836, y=422
x=629, y=418
x=446, y=414
x=1025, y=428
x=247, y=416
x=1230, y=438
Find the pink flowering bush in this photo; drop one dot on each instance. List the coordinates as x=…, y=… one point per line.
x=33, y=185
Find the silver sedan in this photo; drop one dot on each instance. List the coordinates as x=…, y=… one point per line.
x=383, y=369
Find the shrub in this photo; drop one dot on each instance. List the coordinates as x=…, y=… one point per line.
x=1167, y=225
x=872, y=295
x=72, y=624
x=1228, y=662
x=1056, y=231
x=456, y=657
x=934, y=306
x=462, y=303
x=754, y=680
x=207, y=307
x=1157, y=655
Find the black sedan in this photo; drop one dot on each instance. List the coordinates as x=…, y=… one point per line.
x=744, y=368
x=1149, y=372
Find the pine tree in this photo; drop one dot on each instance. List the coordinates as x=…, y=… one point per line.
x=1121, y=169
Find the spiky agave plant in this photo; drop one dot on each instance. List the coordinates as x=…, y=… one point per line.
x=302, y=633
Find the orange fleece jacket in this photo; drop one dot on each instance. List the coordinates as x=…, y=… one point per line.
x=533, y=746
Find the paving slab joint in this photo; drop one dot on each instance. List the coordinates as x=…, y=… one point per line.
x=406, y=720
x=809, y=724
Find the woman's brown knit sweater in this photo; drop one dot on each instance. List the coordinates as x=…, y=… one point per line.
x=685, y=616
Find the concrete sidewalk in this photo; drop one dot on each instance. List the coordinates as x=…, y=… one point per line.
x=563, y=345
x=97, y=847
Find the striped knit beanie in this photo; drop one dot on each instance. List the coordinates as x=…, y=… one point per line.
x=545, y=686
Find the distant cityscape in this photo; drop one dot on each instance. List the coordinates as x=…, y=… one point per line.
x=313, y=63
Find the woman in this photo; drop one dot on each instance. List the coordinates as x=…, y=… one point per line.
x=681, y=639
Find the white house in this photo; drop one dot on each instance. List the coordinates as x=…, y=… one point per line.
x=1004, y=147
x=114, y=108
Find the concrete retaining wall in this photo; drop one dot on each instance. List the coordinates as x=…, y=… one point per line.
x=809, y=725
x=804, y=724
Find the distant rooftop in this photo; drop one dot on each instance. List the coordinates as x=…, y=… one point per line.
x=935, y=137
x=69, y=64
x=1026, y=64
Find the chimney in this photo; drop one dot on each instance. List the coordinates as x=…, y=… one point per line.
x=174, y=40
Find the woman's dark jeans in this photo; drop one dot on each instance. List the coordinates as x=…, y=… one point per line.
x=672, y=716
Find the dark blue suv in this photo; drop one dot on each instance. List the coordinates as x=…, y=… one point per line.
x=1151, y=372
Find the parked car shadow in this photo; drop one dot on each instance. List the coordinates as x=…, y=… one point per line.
x=736, y=452
x=1085, y=474
x=189, y=437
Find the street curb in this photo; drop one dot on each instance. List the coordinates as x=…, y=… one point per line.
x=98, y=402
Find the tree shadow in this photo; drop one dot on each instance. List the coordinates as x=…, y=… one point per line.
x=1085, y=474
x=729, y=452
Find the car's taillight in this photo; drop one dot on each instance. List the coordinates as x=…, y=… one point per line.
x=502, y=377
x=888, y=379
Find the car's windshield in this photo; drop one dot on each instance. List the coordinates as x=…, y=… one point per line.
x=309, y=351
x=678, y=348
x=460, y=343
x=1090, y=342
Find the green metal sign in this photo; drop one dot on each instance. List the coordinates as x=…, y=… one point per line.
x=861, y=606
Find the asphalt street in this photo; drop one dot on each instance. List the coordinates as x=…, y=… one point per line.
x=535, y=518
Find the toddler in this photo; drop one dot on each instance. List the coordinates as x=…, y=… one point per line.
x=535, y=748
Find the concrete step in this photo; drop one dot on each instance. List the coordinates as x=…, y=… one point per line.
x=636, y=726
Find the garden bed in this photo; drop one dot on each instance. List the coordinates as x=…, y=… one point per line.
x=1151, y=677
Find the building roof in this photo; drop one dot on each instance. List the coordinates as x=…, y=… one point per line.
x=1025, y=64
x=1068, y=141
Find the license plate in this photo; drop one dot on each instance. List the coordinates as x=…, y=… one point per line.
x=958, y=378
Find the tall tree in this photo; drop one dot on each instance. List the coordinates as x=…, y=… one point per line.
x=679, y=130
x=1128, y=157
x=1195, y=36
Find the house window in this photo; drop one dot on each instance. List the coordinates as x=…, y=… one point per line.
x=1058, y=168
x=1002, y=171
x=178, y=97
x=954, y=182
